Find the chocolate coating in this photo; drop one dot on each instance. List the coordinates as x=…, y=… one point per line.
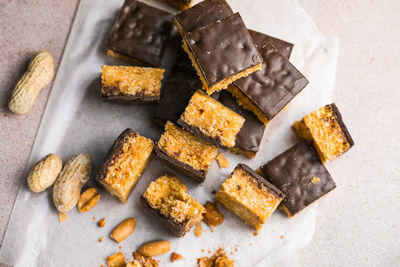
x=175, y=95
x=261, y=39
x=110, y=95
x=141, y=32
x=176, y=228
x=223, y=49
x=249, y=137
x=180, y=166
x=275, y=85
x=342, y=125
x=292, y=172
x=262, y=180
x=113, y=153
x=203, y=14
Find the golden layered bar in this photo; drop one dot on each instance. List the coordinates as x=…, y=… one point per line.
x=185, y=152
x=249, y=196
x=125, y=163
x=168, y=200
x=131, y=84
x=325, y=129
x=222, y=53
x=140, y=33
x=210, y=120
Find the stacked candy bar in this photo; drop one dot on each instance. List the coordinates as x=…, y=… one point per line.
x=227, y=84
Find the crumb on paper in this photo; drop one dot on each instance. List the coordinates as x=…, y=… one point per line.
x=213, y=192
x=203, y=250
x=62, y=217
x=144, y=261
x=218, y=259
x=116, y=260
x=101, y=239
x=175, y=256
x=212, y=217
x=281, y=236
x=94, y=218
x=198, y=230
x=26, y=143
x=101, y=222
x=255, y=233
x=222, y=161
x=120, y=247
x=315, y=180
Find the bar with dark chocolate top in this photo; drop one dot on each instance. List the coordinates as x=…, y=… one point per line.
x=325, y=129
x=300, y=174
x=261, y=39
x=249, y=137
x=125, y=162
x=185, y=152
x=176, y=93
x=249, y=195
x=202, y=14
x=138, y=85
x=222, y=53
x=167, y=198
x=140, y=33
x=268, y=91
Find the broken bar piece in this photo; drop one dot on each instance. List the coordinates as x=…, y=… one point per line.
x=249, y=137
x=210, y=120
x=131, y=84
x=175, y=95
x=300, y=174
x=185, y=152
x=325, y=129
x=261, y=39
x=140, y=33
x=222, y=53
x=268, y=91
x=202, y=14
x=168, y=200
x=125, y=162
x=249, y=195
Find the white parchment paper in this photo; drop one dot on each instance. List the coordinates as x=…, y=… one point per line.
x=76, y=120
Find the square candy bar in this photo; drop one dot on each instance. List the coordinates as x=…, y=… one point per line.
x=210, y=120
x=261, y=39
x=185, y=152
x=300, y=174
x=175, y=95
x=325, y=129
x=168, y=200
x=249, y=196
x=268, y=91
x=222, y=53
x=131, y=84
x=140, y=33
x=202, y=14
x=249, y=138
x=125, y=163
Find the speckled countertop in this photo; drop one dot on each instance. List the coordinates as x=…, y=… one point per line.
x=358, y=223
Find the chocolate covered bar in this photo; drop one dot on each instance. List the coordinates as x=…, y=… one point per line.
x=325, y=129
x=249, y=137
x=211, y=121
x=168, y=200
x=175, y=95
x=268, y=91
x=300, y=174
x=185, y=152
x=140, y=33
x=201, y=14
x=249, y=196
x=125, y=162
x=261, y=39
x=222, y=53
x=131, y=84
